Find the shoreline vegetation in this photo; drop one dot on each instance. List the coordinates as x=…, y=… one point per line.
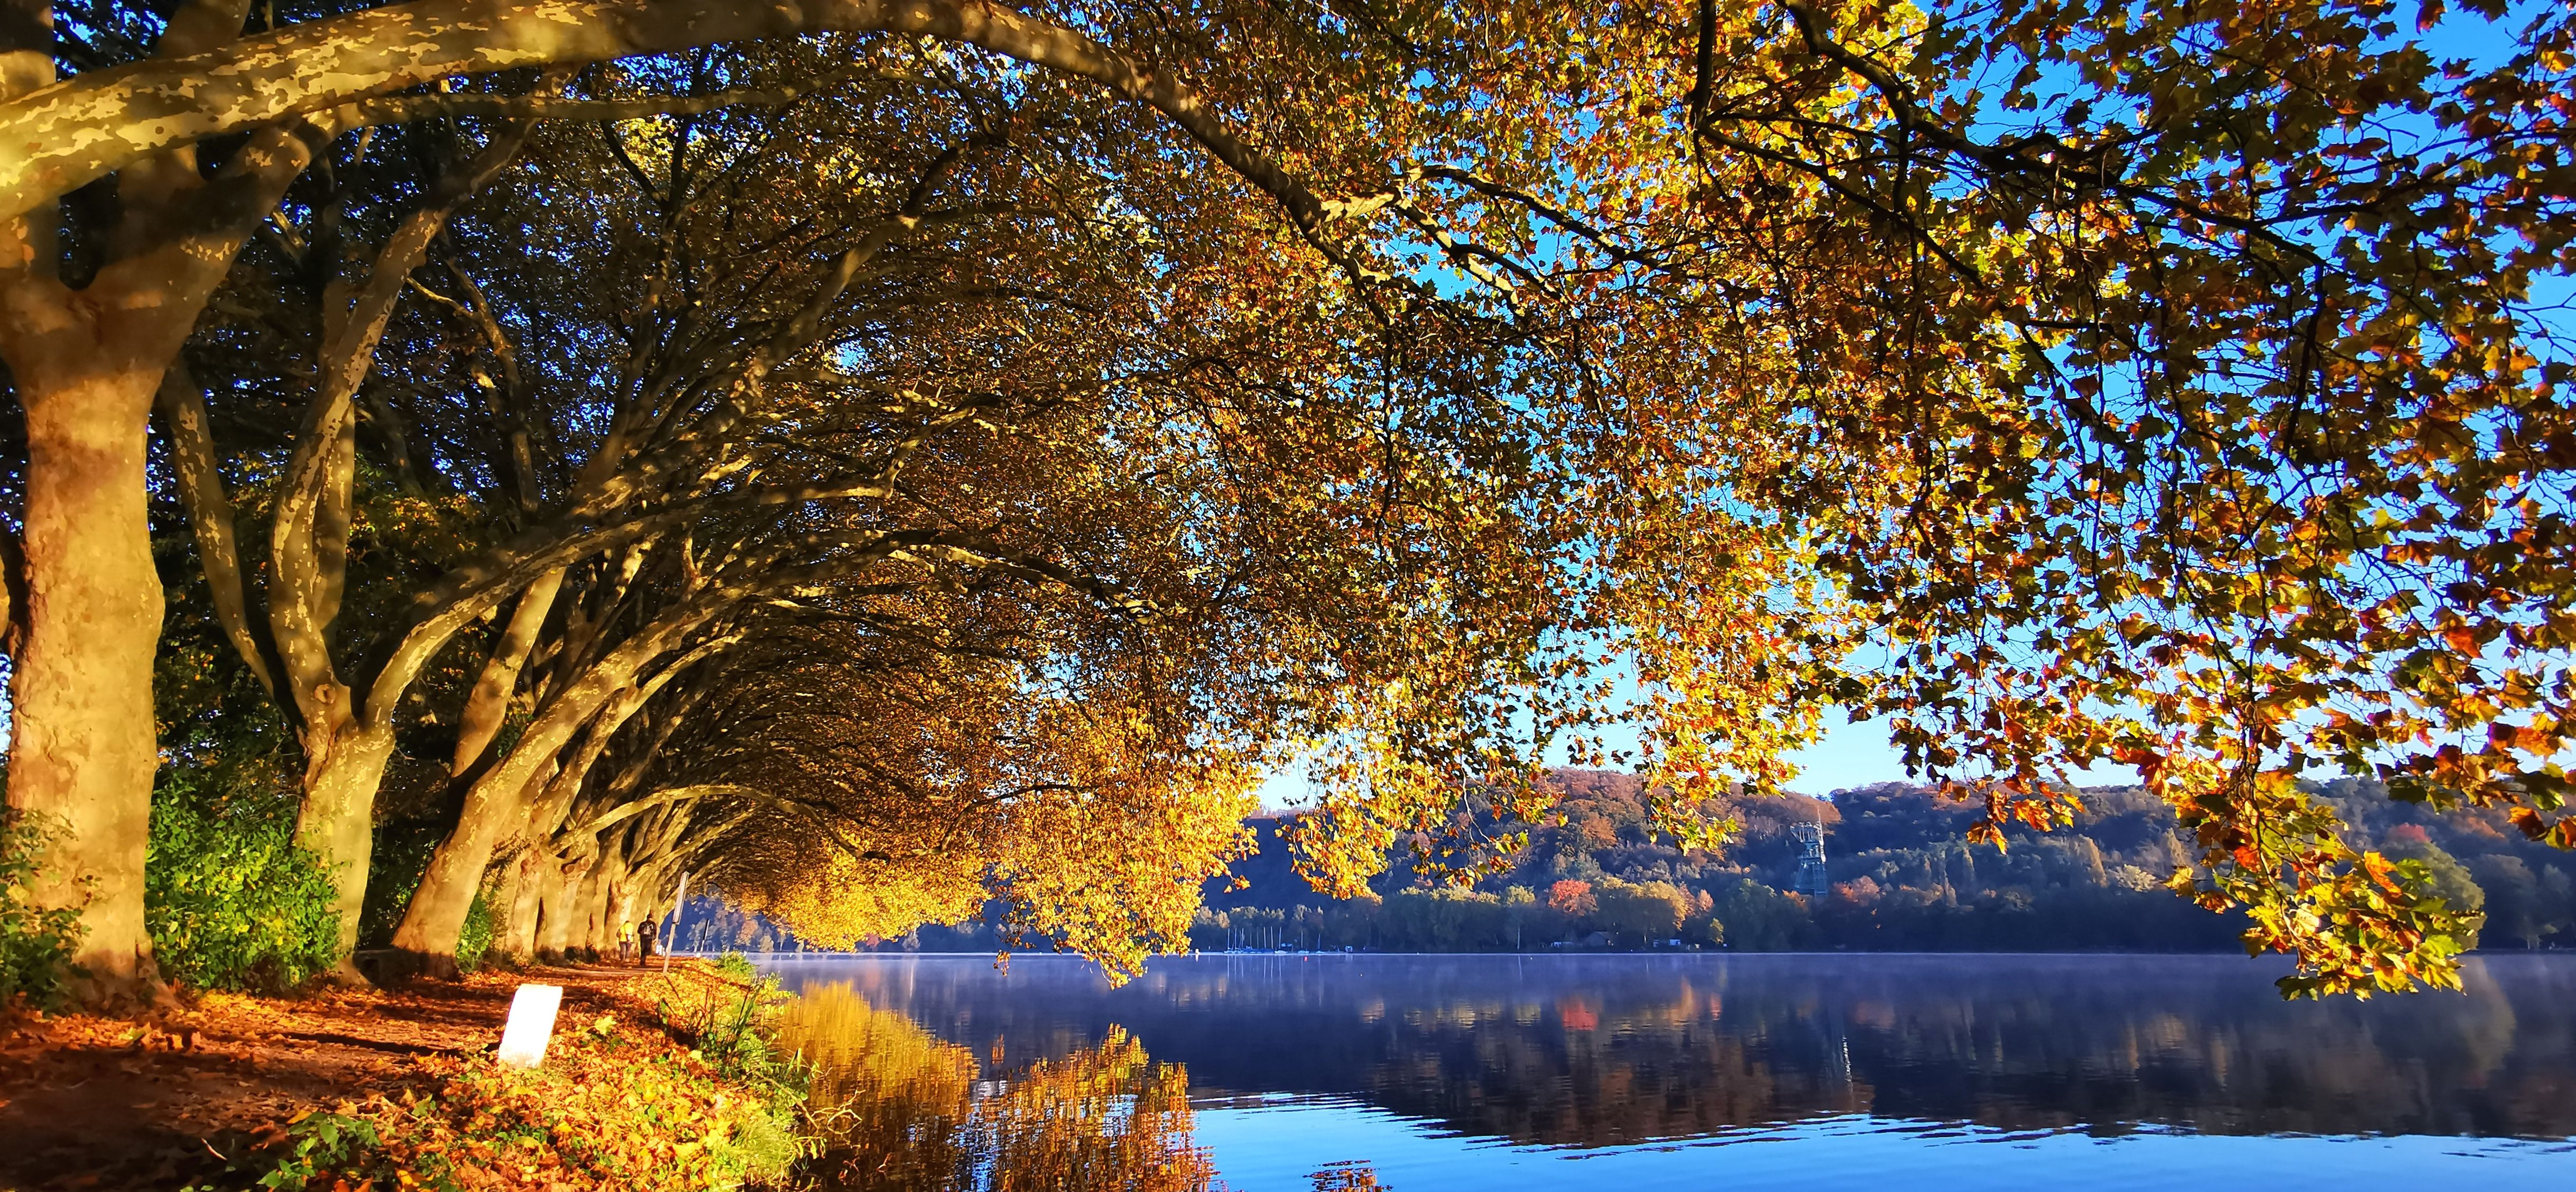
x=702, y=1076
x=1900, y=875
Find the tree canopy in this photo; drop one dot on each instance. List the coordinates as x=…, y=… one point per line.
x=903, y=456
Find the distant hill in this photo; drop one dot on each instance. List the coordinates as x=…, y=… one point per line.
x=1903, y=878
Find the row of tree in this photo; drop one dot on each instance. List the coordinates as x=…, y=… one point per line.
x=1899, y=877
x=887, y=456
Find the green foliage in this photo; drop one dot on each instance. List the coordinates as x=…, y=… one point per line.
x=2426, y=870
x=229, y=898
x=36, y=943
x=1641, y=913
x=1904, y=878
x=730, y=1022
x=1756, y=918
x=476, y=939
x=317, y=1144
x=309, y=1147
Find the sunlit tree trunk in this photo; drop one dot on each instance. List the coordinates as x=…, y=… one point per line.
x=337, y=821
x=82, y=753
x=346, y=744
x=86, y=364
x=498, y=805
x=520, y=894
x=558, y=879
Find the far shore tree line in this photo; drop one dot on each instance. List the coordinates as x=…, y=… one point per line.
x=1900, y=877
x=466, y=465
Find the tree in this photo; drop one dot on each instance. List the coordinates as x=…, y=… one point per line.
x=85, y=353
x=2441, y=876
x=2194, y=366
x=2156, y=387
x=81, y=749
x=1646, y=912
x=2512, y=899
x=1753, y=917
x=1573, y=899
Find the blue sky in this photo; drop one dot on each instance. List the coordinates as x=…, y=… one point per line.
x=1849, y=755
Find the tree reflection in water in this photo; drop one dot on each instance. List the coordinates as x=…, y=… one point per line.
x=904, y=1112
x=1621, y=1050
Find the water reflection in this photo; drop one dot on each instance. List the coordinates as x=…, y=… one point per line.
x=904, y=1112
x=1601, y=1052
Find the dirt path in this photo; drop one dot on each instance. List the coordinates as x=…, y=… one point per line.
x=154, y=1103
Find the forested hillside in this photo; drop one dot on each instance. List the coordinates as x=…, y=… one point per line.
x=1904, y=878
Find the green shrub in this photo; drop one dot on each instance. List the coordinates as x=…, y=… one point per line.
x=476, y=939
x=230, y=900
x=36, y=943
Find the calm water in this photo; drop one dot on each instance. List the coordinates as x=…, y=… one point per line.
x=1921, y=1073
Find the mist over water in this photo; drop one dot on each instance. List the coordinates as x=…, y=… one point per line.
x=1963, y=1071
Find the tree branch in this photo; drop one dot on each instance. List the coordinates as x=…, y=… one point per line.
x=96, y=123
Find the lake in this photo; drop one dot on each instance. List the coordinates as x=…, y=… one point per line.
x=1299, y=1073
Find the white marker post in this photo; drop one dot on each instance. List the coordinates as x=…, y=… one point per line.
x=531, y=1026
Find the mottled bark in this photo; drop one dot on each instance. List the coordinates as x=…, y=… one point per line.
x=346, y=742
x=488, y=705
x=81, y=754
x=86, y=365
x=498, y=805
x=337, y=821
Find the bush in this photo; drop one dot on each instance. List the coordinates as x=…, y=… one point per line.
x=230, y=901
x=476, y=939
x=35, y=943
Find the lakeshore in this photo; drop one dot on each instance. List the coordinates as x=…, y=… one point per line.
x=334, y=1086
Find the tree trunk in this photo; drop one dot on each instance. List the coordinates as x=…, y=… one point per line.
x=523, y=888
x=621, y=914
x=85, y=365
x=494, y=808
x=337, y=821
x=593, y=905
x=308, y=559
x=498, y=804
x=82, y=750
x=557, y=882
